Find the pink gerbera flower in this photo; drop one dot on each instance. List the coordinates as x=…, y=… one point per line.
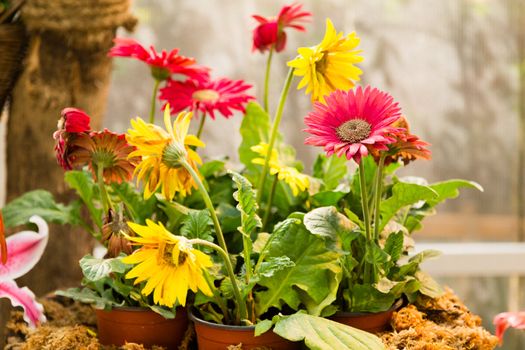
x=222, y=95
x=351, y=123
x=270, y=31
x=162, y=64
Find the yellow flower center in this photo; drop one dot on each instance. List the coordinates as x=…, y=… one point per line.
x=322, y=64
x=206, y=95
x=353, y=131
x=166, y=256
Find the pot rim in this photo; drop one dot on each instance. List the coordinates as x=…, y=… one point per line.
x=228, y=327
x=394, y=307
x=130, y=308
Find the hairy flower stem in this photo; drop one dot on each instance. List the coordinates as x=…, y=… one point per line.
x=273, y=135
x=220, y=237
x=227, y=262
x=201, y=125
x=270, y=201
x=154, y=102
x=377, y=203
x=267, y=80
x=370, y=269
x=106, y=201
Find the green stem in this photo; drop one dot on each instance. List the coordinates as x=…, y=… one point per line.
x=273, y=135
x=201, y=125
x=364, y=201
x=379, y=189
x=219, y=234
x=106, y=202
x=267, y=80
x=229, y=268
x=154, y=102
x=270, y=201
x=218, y=300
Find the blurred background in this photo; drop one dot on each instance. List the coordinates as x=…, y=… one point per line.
x=457, y=68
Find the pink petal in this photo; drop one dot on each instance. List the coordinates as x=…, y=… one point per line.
x=505, y=320
x=33, y=311
x=24, y=249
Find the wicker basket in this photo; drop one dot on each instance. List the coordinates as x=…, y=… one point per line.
x=12, y=50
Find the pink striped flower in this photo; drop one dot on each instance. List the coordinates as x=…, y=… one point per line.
x=210, y=96
x=506, y=320
x=24, y=250
x=353, y=123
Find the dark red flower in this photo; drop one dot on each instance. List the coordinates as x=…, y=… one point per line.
x=73, y=121
x=222, y=95
x=270, y=31
x=163, y=64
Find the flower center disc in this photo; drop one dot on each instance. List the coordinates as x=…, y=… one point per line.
x=353, y=131
x=206, y=95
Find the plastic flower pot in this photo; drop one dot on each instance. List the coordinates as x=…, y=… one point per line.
x=212, y=336
x=141, y=326
x=373, y=322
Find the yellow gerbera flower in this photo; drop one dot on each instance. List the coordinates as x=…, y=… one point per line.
x=161, y=152
x=298, y=182
x=330, y=65
x=168, y=263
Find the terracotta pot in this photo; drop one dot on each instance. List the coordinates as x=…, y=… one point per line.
x=212, y=336
x=141, y=326
x=373, y=322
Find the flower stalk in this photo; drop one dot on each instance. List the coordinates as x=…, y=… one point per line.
x=270, y=201
x=267, y=80
x=104, y=196
x=154, y=101
x=273, y=135
x=201, y=125
x=378, y=195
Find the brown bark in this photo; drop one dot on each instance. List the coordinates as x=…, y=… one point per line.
x=67, y=65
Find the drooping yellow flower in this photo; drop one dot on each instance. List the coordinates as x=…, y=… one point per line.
x=168, y=263
x=161, y=152
x=330, y=65
x=298, y=182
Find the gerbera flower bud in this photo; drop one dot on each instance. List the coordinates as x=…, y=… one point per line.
x=163, y=65
x=114, y=234
x=208, y=96
x=104, y=149
x=270, y=31
x=352, y=123
x=329, y=65
x=72, y=121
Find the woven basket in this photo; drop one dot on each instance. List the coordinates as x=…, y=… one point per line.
x=12, y=48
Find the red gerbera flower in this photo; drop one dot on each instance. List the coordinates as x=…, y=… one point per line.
x=407, y=147
x=162, y=64
x=104, y=149
x=73, y=121
x=209, y=96
x=270, y=31
x=353, y=122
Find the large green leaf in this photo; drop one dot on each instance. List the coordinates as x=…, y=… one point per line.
x=327, y=222
x=330, y=169
x=41, y=203
x=394, y=245
x=83, y=184
x=197, y=224
x=94, y=269
x=255, y=128
x=322, y=334
x=450, y=189
x=89, y=296
x=247, y=204
x=403, y=194
x=315, y=265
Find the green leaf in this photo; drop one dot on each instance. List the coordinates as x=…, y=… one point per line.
x=95, y=269
x=89, y=296
x=429, y=286
x=247, y=204
x=211, y=168
x=403, y=194
x=140, y=208
x=229, y=217
x=394, y=246
x=375, y=255
x=263, y=327
x=39, y=202
x=330, y=169
x=367, y=298
x=255, y=128
x=274, y=264
x=327, y=198
x=83, y=184
x=327, y=222
x=321, y=334
x=413, y=263
x=315, y=266
x=167, y=314
x=197, y=224
x=450, y=189
x=353, y=217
